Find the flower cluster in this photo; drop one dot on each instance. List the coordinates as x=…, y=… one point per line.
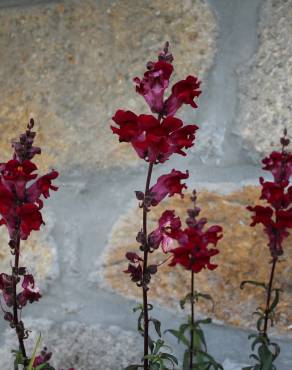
x=43, y=359
x=29, y=293
x=156, y=139
x=277, y=216
x=192, y=251
x=20, y=203
x=21, y=191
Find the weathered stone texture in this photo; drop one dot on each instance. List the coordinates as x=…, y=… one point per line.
x=71, y=66
x=266, y=82
x=84, y=347
x=244, y=255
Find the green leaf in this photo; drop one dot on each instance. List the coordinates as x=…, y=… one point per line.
x=169, y=357
x=140, y=327
x=151, y=344
x=266, y=357
x=133, y=367
x=183, y=301
x=186, y=360
x=19, y=359
x=252, y=282
x=206, y=296
x=180, y=336
x=208, y=320
x=30, y=365
x=276, y=300
x=138, y=308
x=157, y=325
x=201, y=337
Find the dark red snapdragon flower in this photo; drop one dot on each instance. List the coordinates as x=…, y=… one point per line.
x=20, y=204
x=30, y=292
x=193, y=251
x=277, y=217
x=167, y=232
x=43, y=358
x=155, y=139
x=7, y=288
x=20, y=201
x=154, y=83
x=152, y=139
x=183, y=92
x=134, y=268
x=168, y=185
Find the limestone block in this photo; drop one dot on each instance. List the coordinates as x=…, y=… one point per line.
x=266, y=82
x=70, y=64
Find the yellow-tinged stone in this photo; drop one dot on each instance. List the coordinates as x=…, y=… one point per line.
x=71, y=65
x=244, y=255
x=37, y=254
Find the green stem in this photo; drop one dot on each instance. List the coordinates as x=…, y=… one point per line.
x=270, y=286
x=192, y=321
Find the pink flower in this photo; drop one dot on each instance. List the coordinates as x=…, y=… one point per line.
x=183, y=92
x=168, y=231
x=168, y=185
x=154, y=83
x=43, y=358
x=30, y=292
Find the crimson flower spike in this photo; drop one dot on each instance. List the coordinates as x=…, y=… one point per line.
x=21, y=193
x=155, y=138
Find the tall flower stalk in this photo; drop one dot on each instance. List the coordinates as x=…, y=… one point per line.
x=21, y=191
x=276, y=219
x=194, y=254
x=155, y=139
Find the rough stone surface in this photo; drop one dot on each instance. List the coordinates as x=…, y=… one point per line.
x=84, y=347
x=243, y=256
x=71, y=65
x=266, y=83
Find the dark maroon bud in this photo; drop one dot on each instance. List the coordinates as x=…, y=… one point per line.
x=22, y=138
x=193, y=212
x=284, y=141
x=8, y=316
x=139, y=195
x=21, y=300
x=190, y=222
x=152, y=269
x=149, y=65
x=153, y=242
x=133, y=257
x=21, y=270
x=12, y=244
x=141, y=237
x=31, y=124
